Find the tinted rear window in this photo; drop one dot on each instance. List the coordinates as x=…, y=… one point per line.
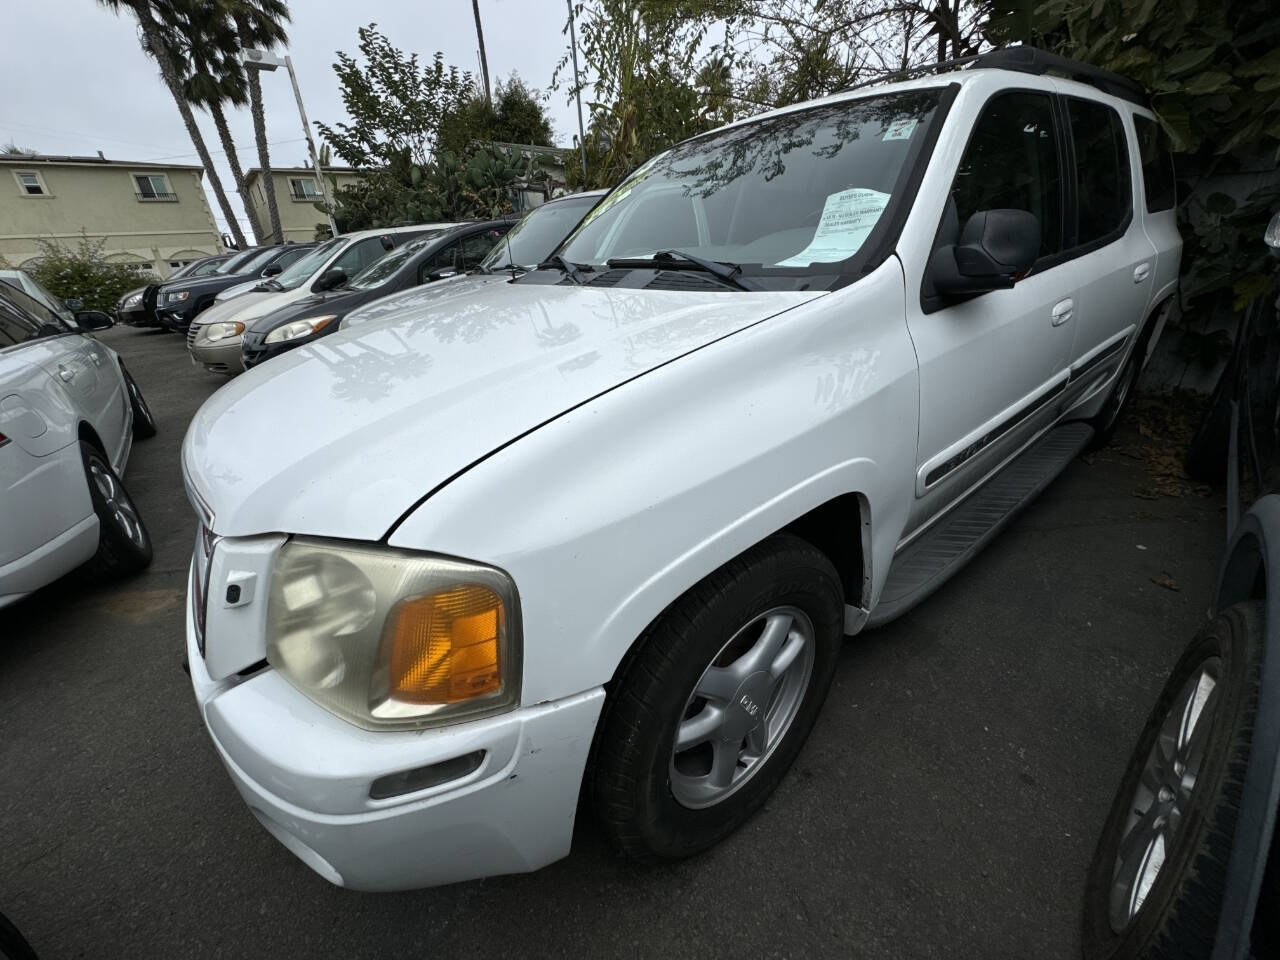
x=1157, y=166
x=1104, y=199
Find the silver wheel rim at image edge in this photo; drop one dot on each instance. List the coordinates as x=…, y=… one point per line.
x=118, y=504
x=746, y=706
x=1163, y=794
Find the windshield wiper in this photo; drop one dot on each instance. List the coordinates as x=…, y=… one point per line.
x=572, y=270
x=679, y=260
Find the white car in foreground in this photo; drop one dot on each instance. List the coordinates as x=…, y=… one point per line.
x=615, y=518
x=69, y=412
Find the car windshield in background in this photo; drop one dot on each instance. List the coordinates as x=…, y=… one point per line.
x=380, y=271
x=254, y=264
x=537, y=234
x=233, y=265
x=297, y=275
x=794, y=193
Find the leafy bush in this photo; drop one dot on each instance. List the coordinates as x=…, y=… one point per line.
x=85, y=273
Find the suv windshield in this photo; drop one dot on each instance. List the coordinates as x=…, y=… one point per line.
x=537, y=234
x=254, y=264
x=788, y=196
x=380, y=271
x=233, y=265
x=298, y=274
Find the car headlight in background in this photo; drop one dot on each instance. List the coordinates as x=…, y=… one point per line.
x=299, y=328
x=131, y=301
x=221, y=331
x=389, y=638
x=177, y=296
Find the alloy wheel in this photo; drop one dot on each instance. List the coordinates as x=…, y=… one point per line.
x=117, y=503
x=742, y=706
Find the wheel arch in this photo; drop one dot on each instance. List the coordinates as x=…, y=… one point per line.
x=88, y=435
x=1251, y=571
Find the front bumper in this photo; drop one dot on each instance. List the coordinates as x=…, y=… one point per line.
x=137, y=317
x=223, y=356
x=306, y=775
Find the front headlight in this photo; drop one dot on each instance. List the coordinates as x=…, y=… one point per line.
x=388, y=638
x=177, y=296
x=299, y=328
x=131, y=301
x=221, y=331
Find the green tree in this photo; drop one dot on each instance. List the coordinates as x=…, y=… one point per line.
x=515, y=115
x=395, y=105
x=155, y=31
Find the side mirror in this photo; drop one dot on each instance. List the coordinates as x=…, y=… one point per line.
x=74, y=304
x=441, y=274
x=94, y=320
x=996, y=248
x=331, y=278
x=272, y=271
x=1272, y=237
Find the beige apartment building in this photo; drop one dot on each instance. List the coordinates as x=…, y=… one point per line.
x=296, y=196
x=154, y=215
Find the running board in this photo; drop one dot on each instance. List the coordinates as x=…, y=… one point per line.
x=940, y=553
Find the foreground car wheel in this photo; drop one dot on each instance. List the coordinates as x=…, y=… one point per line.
x=124, y=545
x=1155, y=884
x=717, y=700
x=144, y=425
x=13, y=946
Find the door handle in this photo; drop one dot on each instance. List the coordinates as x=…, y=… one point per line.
x=1141, y=272
x=66, y=375
x=1062, y=311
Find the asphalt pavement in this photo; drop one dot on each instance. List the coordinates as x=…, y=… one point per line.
x=946, y=804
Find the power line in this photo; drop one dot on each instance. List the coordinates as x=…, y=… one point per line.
x=180, y=156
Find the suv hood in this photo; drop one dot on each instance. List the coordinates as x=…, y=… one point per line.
x=342, y=436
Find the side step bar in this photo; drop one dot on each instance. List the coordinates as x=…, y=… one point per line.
x=940, y=553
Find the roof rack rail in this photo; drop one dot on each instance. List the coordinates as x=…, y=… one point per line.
x=1026, y=59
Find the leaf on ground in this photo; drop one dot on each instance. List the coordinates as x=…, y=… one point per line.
x=1165, y=423
x=1166, y=581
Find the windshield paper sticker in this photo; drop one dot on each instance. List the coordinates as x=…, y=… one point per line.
x=847, y=218
x=900, y=129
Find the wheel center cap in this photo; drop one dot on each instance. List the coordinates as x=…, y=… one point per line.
x=746, y=709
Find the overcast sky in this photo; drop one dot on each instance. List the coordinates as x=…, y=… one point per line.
x=76, y=80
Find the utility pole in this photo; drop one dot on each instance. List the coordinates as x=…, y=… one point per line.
x=577, y=89
x=484, y=62
x=261, y=60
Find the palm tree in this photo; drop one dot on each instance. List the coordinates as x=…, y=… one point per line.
x=261, y=24
x=154, y=44
x=208, y=48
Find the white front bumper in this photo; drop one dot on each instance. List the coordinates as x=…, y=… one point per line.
x=306, y=776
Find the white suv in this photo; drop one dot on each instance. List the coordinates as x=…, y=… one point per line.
x=601, y=529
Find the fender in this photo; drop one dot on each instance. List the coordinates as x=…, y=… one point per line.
x=1251, y=570
x=606, y=515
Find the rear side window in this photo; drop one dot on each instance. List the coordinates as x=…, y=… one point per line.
x=1103, y=196
x=1011, y=162
x=24, y=319
x=1157, y=166
x=360, y=254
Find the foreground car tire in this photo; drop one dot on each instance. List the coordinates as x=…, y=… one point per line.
x=144, y=425
x=716, y=701
x=124, y=545
x=13, y=946
x=1155, y=885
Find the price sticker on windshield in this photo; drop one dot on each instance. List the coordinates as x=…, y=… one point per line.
x=900, y=129
x=847, y=218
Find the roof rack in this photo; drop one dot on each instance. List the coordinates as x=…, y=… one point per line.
x=1029, y=60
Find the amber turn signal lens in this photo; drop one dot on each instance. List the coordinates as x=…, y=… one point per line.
x=446, y=647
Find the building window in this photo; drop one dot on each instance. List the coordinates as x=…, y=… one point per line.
x=303, y=188
x=31, y=184
x=153, y=186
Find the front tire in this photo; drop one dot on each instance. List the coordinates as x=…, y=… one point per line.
x=124, y=545
x=715, y=703
x=1155, y=885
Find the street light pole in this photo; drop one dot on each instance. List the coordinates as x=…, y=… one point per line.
x=311, y=146
x=577, y=89
x=261, y=60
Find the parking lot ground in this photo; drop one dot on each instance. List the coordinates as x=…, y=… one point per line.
x=946, y=805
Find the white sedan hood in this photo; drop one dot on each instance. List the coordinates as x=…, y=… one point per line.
x=341, y=437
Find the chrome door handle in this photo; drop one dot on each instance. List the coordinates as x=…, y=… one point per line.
x=1141, y=272
x=66, y=375
x=1062, y=311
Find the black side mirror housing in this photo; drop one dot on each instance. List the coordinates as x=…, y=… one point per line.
x=387, y=242
x=331, y=278
x=996, y=248
x=94, y=320
x=440, y=274
x=273, y=271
